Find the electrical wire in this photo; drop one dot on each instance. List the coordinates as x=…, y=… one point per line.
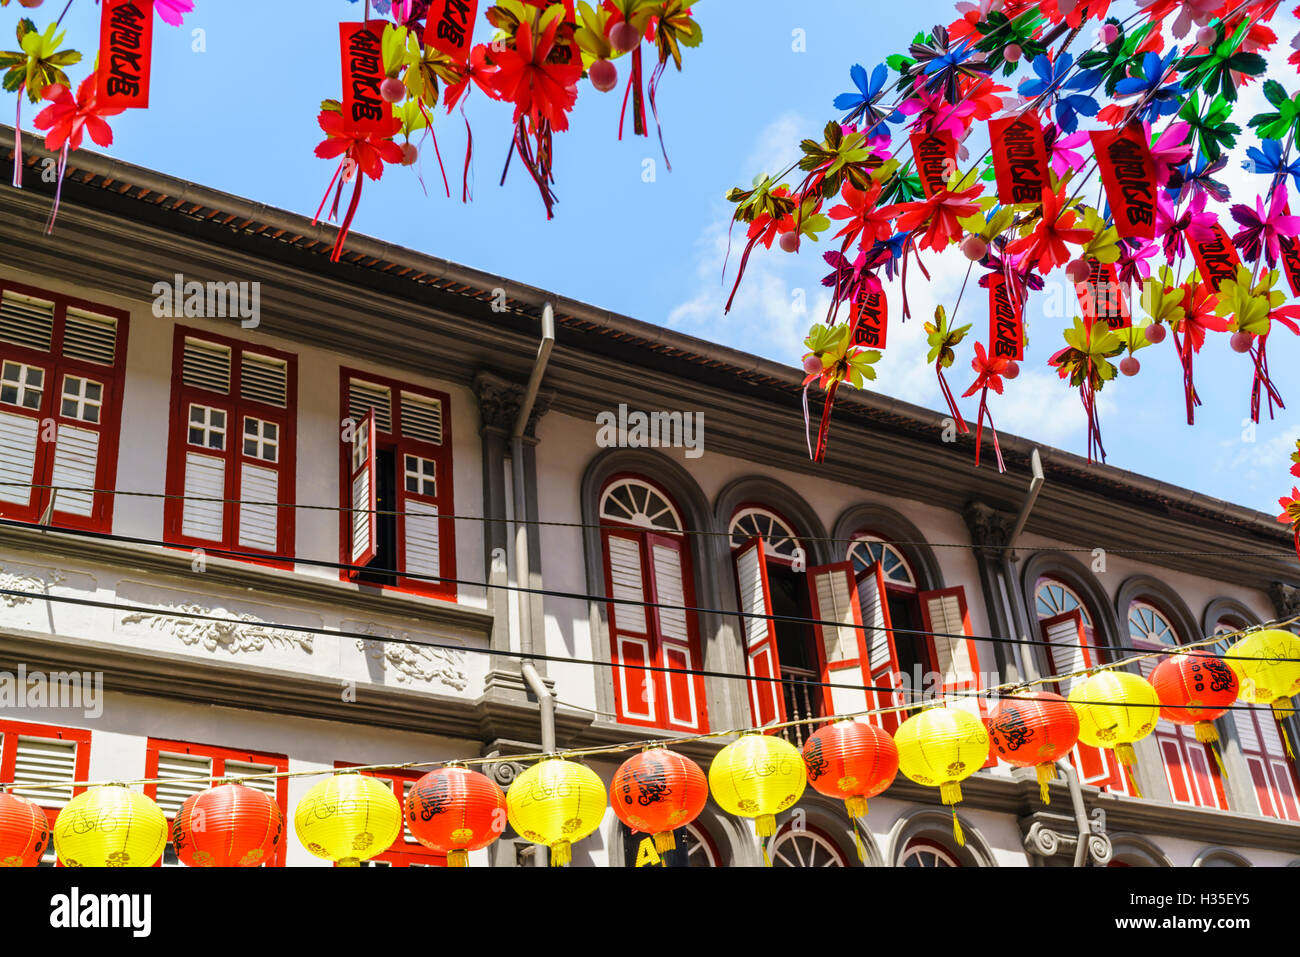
x=617, y=526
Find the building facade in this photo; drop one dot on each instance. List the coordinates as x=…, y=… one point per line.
x=268, y=501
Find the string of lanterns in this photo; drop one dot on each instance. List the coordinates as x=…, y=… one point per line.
x=350, y=817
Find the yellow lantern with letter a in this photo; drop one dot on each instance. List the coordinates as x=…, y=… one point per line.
x=1267, y=665
x=758, y=776
x=348, y=818
x=941, y=747
x=556, y=803
x=1116, y=708
x=110, y=826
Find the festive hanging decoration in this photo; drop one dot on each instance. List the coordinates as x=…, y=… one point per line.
x=1115, y=709
x=941, y=747
x=658, y=791
x=454, y=811
x=24, y=831
x=1034, y=729
x=1267, y=666
x=348, y=818
x=1196, y=689
x=229, y=825
x=110, y=826
x=851, y=761
x=1291, y=504
x=556, y=803
x=904, y=164
x=758, y=776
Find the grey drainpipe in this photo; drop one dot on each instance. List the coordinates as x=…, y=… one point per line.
x=1011, y=580
x=545, y=700
x=1080, y=811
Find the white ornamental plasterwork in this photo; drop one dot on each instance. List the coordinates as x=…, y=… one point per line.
x=409, y=660
x=241, y=632
x=13, y=580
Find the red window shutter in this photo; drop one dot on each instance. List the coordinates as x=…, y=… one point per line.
x=943, y=613
x=842, y=647
x=882, y=655
x=759, y=633
x=680, y=696
x=1069, y=652
x=630, y=634
x=362, y=490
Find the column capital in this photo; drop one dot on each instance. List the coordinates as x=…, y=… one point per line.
x=1286, y=599
x=499, y=401
x=990, y=528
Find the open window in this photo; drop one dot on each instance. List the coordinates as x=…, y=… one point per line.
x=396, y=485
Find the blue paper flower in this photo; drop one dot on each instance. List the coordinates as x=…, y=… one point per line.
x=1157, y=100
x=861, y=103
x=1052, y=84
x=1268, y=162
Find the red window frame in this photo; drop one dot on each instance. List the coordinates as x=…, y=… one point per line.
x=236, y=408
x=665, y=688
x=405, y=850
x=402, y=446
x=219, y=756
x=56, y=366
x=10, y=731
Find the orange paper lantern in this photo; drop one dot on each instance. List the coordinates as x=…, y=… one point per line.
x=656, y=792
x=24, y=832
x=1195, y=688
x=229, y=825
x=851, y=761
x=454, y=811
x=1033, y=730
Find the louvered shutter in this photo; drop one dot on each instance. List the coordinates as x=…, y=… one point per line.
x=630, y=633
x=45, y=759
x=766, y=700
x=361, y=482
x=944, y=613
x=18, y=443
x=421, y=540
x=1271, y=773
x=681, y=696
x=76, y=464
x=882, y=655
x=173, y=790
x=26, y=322
x=204, y=513
x=841, y=647
x=1069, y=652
x=259, y=491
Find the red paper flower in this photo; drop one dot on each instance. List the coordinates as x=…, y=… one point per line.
x=1290, y=508
x=68, y=117
x=539, y=90
x=864, y=221
x=370, y=151
x=480, y=71
x=989, y=369
x=1046, y=245
x=939, y=215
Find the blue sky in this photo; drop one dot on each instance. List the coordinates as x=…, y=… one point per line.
x=240, y=117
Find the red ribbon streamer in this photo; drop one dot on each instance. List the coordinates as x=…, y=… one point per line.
x=1263, y=382
x=952, y=402
x=1187, y=355
x=824, y=429
x=18, y=139
x=58, y=190
x=655, y=77
x=638, y=100
x=979, y=431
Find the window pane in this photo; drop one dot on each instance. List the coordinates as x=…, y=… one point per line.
x=94, y=391
x=32, y=399
x=9, y=394
x=250, y=448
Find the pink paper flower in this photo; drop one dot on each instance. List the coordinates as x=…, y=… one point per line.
x=173, y=11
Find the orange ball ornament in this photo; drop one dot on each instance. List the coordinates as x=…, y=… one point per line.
x=1033, y=730
x=852, y=761
x=24, y=831
x=229, y=825
x=658, y=791
x=454, y=811
x=1195, y=688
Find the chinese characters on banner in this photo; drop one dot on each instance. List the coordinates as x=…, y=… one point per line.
x=1019, y=158
x=1006, y=330
x=451, y=27
x=1128, y=174
x=125, y=51
x=869, y=320
x=364, y=109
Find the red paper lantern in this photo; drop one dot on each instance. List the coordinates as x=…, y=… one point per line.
x=851, y=761
x=1033, y=730
x=656, y=792
x=24, y=832
x=229, y=825
x=454, y=811
x=1195, y=688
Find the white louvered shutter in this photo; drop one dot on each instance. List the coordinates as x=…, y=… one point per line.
x=173, y=789
x=421, y=539
x=76, y=463
x=842, y=646
x=259, y=490
x=203, y=516
x=18, y=438
x=680, y=694
x=629, y=624
x=765, y=698
x=944, y=614
x=361, y=483
x=882, y=655
x=45, y=759
x=27, y=322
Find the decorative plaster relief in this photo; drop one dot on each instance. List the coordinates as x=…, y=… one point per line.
x=239, y=632
x=410, y=659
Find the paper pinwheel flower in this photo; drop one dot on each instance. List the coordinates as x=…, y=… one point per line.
x=1268, y=160
x=1162, y=300
x=1045, y=245
x=839, y=157
x=1199, y=181
x=1117, y=59
x=68, y=118
x=1249, y=304
x=841, y=361
x=1170, y=150
x=541, y=90
x=943, y=63
x=1157, y=98
x=1213, y=133
x=173, y=11
x=1285, y=120
x=1104, y=245
x=989, y=371
x=1132, y=264
x=1052, y=82
x=1213, y=71
x=934, y=112
x=861, y=105
x=1062, y=149
x=940, y=216
x=997, y=31
x=1262, y=229
x=1086, y=358
x=864, y=220
x=38, y=63
x=1172, y=228
x=1290, y=509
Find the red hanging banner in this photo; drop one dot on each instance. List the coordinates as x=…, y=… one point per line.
x=451, y=27
x=1006, y=328
x=1216, y=256
x=364, y=109
x=936, y=159
x=869, y=320
x=1102, y=297
x=125, y=52
x=1019, y=158
x=1128, y=172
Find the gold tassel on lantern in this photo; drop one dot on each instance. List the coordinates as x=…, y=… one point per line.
x=1208, y=735
x=1128, y=758
x=458, y=857
x=765, y=826
x=1281, y=711
x=1046, y=775
x=561, y=854
x=349, y=862
x=950, y=793
x=665, y=842
x=857, y=806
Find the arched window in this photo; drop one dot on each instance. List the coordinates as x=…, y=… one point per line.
x=701, y=851
x=1190, y=768
x=1272, y=775
x=921, y=852
x=648, y=559
x=779, y=538
x=1066, y=623
x=867, y=549
x=805, y=847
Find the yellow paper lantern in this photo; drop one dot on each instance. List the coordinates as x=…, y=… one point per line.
x=1116, y=708
x=1267, y=666
x=348, y=818
x=758, y=776
x=556, y=803
x=110, y=826
x=941, y=747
